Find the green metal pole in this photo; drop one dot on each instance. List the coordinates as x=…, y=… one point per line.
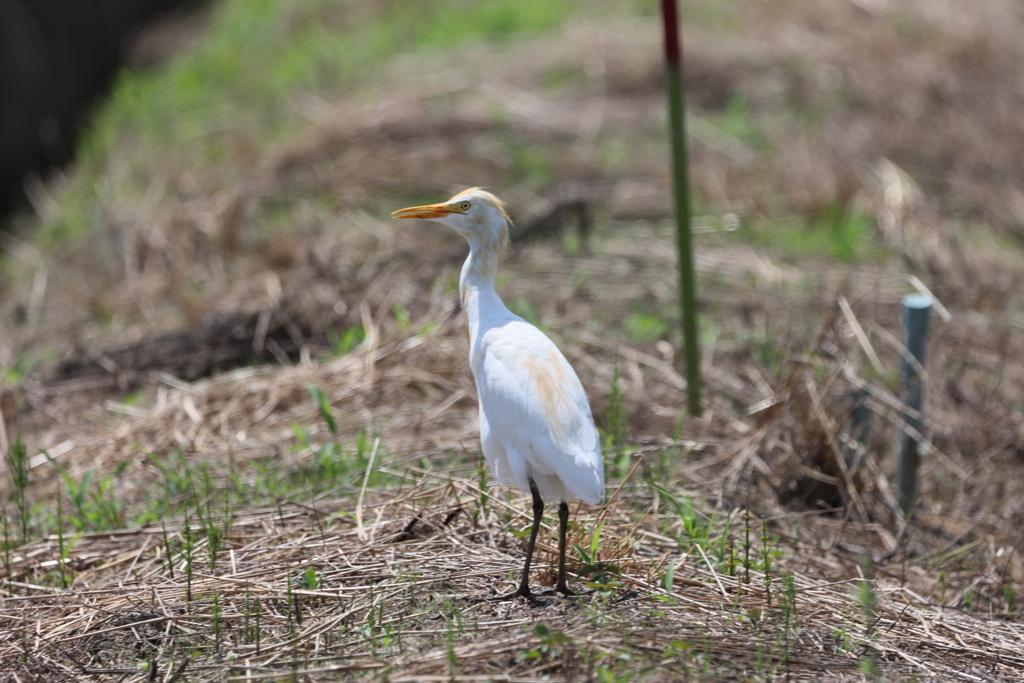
x=916, y=308
x=680, y=174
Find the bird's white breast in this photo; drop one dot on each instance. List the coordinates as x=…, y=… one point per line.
x=533, y=407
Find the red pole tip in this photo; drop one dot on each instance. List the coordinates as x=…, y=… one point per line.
x=670, y=20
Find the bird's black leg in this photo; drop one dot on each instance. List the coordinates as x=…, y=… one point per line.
x=538, y=513
x=524, y=585
x=563, y=531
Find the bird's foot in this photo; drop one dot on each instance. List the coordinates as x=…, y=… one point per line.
x=562, y=588
x=521, y=592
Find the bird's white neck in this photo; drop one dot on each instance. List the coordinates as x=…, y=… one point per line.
x=476, y=284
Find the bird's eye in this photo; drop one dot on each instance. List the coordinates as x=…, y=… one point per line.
x=464, y=206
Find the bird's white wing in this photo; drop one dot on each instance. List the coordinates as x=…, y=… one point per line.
x=533, y=404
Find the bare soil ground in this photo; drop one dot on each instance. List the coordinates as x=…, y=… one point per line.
x=186, y=329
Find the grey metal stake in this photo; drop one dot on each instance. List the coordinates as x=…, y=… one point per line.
x=858, y=428
x=916, y=308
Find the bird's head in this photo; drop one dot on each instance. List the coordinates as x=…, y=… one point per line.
x=475, y=214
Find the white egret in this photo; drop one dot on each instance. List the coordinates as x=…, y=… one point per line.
x=536, y=428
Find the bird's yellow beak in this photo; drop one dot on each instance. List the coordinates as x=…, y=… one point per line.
x=428, y=211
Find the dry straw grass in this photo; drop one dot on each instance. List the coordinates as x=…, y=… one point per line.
x=412, y=583
x=794, y=349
